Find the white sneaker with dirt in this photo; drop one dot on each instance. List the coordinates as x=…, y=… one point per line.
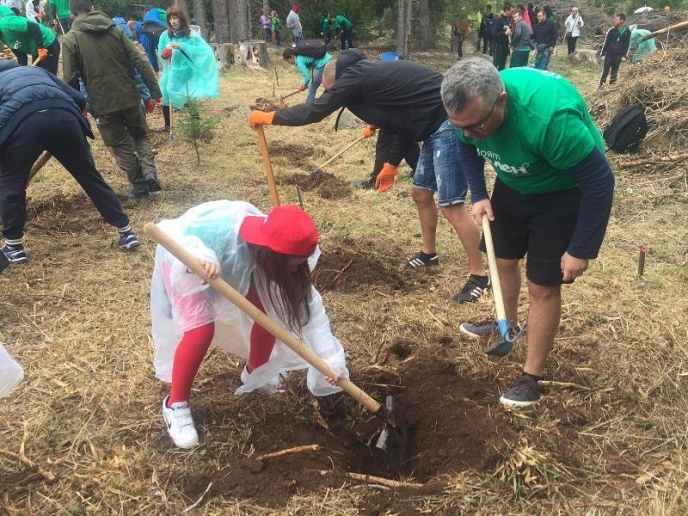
x=523, y=392
x=479, y=329
x=180, y=424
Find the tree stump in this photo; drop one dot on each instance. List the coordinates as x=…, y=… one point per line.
x=253, y=54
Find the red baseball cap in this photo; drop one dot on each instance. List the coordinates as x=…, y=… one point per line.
x=286, y=229
x=295, y=8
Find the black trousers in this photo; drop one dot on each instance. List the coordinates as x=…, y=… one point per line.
x=611, y=63
x=501, y=52
x=59, y=132
x=50, y=63
x=389, y=143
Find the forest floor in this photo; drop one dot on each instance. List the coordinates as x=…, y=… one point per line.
x=83, y=433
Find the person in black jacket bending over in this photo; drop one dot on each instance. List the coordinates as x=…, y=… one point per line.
x=546, y=34
x=403, y=98
x=615, y=48
x=33, y=102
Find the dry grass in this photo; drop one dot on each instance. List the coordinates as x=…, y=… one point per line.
x=76, y=318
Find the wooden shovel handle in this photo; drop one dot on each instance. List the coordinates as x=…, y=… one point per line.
x=269, y=176
x=494, y=273
x=257, y=315
x=40, y=163
x=339, y=153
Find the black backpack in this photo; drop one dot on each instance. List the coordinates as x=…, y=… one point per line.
x=626, y=129
x=315, y=48
x=153, y=30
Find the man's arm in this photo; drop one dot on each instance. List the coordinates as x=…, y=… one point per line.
x=301, y=64
x=70, y=63
x=75, y=94
x=473, y=166
x=596, y=181
x=35, y=31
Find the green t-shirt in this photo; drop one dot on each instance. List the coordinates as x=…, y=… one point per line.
x=342, y=23
x=16, y=35
x=547, y=131
x=62, y=7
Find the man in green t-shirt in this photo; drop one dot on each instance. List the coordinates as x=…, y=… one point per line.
x=552, y=196
x=346, y=31
x=25, y=37
x=62, y=18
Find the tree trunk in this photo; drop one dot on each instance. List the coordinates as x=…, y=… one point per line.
x=253, y=54
x=242, y=21
x=425, y=26
x=404, y=26
x=199, y=17
x=220, y=21
x=184, y=4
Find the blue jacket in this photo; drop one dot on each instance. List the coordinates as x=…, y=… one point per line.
x=27, y=89
x=122, y=24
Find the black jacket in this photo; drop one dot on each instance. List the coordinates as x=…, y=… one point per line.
x=27, y=89
x=546, y=33
x=500, y=25
x=616, y=42
x=399, y=96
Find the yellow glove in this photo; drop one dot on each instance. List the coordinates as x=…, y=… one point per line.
x=369, y=131
x=260, y=118
x=385, y=179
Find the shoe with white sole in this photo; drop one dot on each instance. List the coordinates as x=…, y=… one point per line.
x=180, y=424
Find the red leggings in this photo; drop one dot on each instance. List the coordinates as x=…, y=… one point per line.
x=195, y=343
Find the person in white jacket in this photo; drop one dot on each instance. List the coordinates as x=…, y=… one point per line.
x=34, y=10
x=573, y=25
x=268, y=259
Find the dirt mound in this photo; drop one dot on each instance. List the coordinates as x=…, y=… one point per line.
x=326, y=185
x=263, y=104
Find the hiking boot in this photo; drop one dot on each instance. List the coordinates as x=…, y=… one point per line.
x=180, y=424
x=152, y=182
x=473, y=289
x=480, y=329
x=420, y=259
x=137, y=195
x=128, y=241
x=523, y=392
x=367, y=184
x=14, y=253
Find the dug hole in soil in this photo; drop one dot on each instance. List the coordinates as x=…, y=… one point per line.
x=453, y=422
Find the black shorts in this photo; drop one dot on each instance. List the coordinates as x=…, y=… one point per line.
x=540, y=226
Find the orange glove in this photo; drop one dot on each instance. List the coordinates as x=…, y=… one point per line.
x=369, y=131
x=260, y=118
x=43, y=53
x=385, y=179
x=302, y=88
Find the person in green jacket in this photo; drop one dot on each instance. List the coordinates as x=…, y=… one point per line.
x=24, y=37
x=345, y=29
x=97, y=52
x=62, y=18
x=276, y=28
x=640, y=48
x=326, y=28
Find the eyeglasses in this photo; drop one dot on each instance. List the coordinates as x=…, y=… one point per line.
x=480, y=126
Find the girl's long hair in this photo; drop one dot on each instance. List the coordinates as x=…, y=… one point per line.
x=184, y=28
x=293, y=288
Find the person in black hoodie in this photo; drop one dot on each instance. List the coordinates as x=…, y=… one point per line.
x=500, y=37
x=404, y=98
x=615, y=48
x=33, y=103
x=546, y=34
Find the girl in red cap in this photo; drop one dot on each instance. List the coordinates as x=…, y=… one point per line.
x=266, y=258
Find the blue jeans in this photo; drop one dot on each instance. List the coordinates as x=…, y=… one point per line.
x=542, y=57
x=298, y=36
x=439, y=169
x=314, y=84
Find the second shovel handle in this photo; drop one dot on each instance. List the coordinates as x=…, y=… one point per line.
x=494, y=273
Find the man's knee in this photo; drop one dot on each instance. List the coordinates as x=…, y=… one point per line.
x=422, y=196
x=542, y=293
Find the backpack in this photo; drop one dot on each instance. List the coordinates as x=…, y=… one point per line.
x=153, y=30
x=627, y=128
x=489, y=24
x=314, y=48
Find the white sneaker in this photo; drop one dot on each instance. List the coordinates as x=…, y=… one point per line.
x=180, y=424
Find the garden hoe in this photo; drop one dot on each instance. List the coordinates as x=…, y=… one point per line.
x=320, y=168
x=282, y=97
x=393, y=438
x=509, y=333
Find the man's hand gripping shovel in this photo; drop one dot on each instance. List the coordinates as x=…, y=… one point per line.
x=507, y=330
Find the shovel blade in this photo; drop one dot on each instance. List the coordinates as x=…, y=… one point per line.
x=500, y=349
x=315, y=171
x=393, y=440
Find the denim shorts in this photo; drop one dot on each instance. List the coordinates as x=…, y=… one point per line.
x=439, y=169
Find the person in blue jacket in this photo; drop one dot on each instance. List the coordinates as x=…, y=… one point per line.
x=311, y=69
x=148, y=42
x=122, y=24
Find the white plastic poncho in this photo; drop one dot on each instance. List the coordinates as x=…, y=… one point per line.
x=11, y=373
x=211, y=231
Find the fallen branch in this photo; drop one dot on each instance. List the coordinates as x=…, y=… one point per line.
x=665, y=29
x=377, y=480
x=195, y=504
x=339, y=274
x=289, y=451
x=564, y=385
x=48, y=476
x=653, y=161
